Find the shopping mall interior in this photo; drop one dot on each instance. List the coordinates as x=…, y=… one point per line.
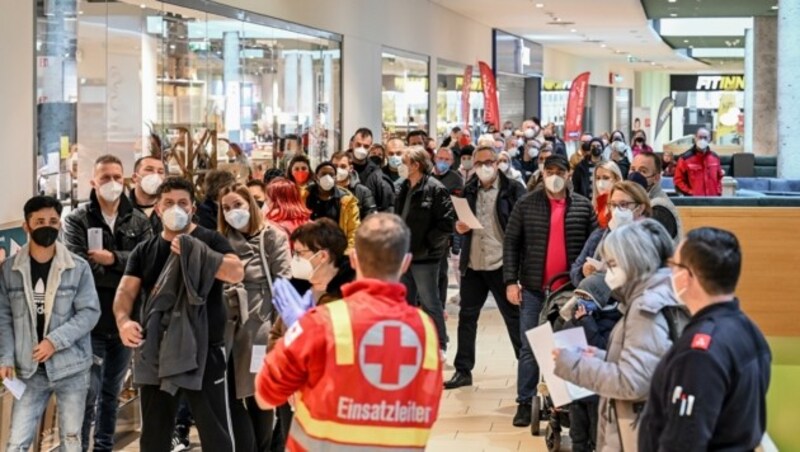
x=203, y=80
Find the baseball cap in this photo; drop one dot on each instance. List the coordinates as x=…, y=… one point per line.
x=558, y=161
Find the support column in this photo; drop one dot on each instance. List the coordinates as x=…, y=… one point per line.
x=761, y=87
x=231, y=63
x=17, y=110
x=788, y=89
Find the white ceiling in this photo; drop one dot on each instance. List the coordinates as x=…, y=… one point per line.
x=620, y=25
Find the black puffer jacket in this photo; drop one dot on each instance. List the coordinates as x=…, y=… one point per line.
x=131, y=228
x=382, y=189
x=430, y=218
x=528, y=231
x=511, y=191
x=366, y=202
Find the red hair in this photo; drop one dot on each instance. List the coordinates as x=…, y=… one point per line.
x=285, y=203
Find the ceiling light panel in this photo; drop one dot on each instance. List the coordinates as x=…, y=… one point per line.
x=703, y=27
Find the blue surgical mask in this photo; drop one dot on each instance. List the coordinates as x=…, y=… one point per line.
x=395, y=161
x=442, y=167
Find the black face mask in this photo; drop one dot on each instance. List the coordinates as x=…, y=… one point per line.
x=376, y=159
x=44, y=236
x=637, y=177
x=585, y=146
x=597, y=151
x=551, y=138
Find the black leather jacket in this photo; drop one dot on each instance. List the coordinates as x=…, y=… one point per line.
x=430, y=217
x=131, y=228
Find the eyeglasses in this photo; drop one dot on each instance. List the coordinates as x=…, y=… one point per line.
x=624, y=205
x=486, y=163
x=671, y=263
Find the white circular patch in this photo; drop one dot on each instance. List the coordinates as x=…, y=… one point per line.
x=390, y=355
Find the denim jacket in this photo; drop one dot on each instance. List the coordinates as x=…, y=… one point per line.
x=71, y=311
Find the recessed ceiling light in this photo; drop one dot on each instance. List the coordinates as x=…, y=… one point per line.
x=691, y=47
x=775, y=7
x=672, y=1
x=540, y=5
x=652, y=63
x=673, y=15
x=143, y=6
x=603, y=46
x=685, y=41
x=572, y=30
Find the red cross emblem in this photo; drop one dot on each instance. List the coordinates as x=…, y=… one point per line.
x=390, y=355
x=701, y=341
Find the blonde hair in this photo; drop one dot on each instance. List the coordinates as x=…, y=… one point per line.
x=487, y=139
x=255, y=222
x=612, y=168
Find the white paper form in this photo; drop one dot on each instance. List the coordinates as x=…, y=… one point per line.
x=464, y=213
x=257, y=358
x=15, y=387
x=94, y=239
x=543, y=341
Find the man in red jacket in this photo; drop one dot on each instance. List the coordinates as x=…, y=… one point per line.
x=698, y=172
x=366, y=370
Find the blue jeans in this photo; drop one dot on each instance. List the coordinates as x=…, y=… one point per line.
x=528, y=375
x=423, y=279
x=111, y=360
x=70, y=395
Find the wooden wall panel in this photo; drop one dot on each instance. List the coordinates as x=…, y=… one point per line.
x=770, y=240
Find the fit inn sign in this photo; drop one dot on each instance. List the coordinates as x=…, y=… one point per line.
x=720, y=83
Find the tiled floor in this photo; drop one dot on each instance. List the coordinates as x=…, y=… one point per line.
x=476, y=418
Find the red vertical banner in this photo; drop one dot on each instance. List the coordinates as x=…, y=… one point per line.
x=573, y=124
x=490, y=104
x=466, y=87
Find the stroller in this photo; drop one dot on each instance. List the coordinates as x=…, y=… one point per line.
x=542, y=405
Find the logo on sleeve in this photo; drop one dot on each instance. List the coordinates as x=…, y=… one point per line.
x=294, y=332
x=701, y=341
x=684, y=401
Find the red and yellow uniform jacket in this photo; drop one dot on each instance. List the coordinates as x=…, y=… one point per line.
x=366, y=371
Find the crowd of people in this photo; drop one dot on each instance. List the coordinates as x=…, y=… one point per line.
x=197, y=292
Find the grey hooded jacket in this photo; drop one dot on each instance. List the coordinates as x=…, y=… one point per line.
x=250, y=310
x=175, y=321
x=636, y=345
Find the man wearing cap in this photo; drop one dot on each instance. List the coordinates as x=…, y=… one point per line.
x=546, y=231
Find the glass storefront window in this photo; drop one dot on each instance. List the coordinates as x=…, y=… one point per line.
x=449, y=113
x=132, y=78
x=404, y=93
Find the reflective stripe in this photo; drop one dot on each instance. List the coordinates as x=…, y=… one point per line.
x=298, y=435
x=365, y=435
x=431, y=358
x=342, y=333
